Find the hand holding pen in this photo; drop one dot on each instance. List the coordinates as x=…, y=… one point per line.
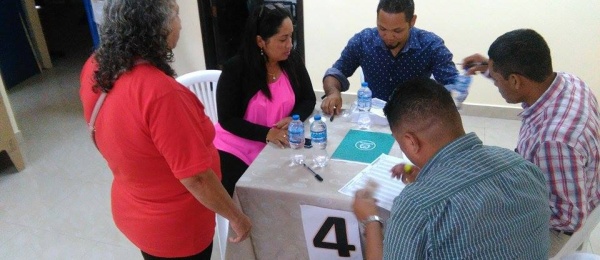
x=332, y=104
x=475, y=63
x=405, y=172
x=364, y=204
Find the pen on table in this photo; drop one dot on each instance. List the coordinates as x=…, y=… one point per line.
x=317, y=176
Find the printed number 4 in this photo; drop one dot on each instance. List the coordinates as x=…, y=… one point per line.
x=341, y=237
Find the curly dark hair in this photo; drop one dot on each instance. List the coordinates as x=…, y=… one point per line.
x=132, y=30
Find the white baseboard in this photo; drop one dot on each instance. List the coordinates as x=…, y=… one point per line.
x=19, y=137
x=481, y=110
x=468, y=109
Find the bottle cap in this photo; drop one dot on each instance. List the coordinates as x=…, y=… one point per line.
x=295, y=117
x=317, y=117
x=364, y=84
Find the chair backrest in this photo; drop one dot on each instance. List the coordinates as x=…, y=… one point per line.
x=581, y=256
x=203, y=83
x=582, y=235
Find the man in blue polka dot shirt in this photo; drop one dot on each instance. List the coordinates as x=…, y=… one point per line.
x=390, y=54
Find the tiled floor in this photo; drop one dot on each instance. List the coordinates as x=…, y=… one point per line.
x=59, y=208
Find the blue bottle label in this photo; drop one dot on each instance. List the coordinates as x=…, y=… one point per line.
x=319, y=137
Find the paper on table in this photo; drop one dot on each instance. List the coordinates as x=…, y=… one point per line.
x=379, y=172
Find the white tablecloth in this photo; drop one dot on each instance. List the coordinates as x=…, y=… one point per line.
x=270, y=192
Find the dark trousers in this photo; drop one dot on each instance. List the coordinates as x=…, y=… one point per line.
x=204, y=255
x=232, y=169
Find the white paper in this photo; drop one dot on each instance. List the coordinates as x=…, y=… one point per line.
x=315, y=218
x=379, y=172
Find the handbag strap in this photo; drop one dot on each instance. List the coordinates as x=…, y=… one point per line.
x=91, y=125
x=99, y=102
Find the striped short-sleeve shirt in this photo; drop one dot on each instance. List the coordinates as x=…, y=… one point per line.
x=471, y=201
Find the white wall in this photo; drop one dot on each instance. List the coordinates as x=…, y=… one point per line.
x=189, y=53
x=571, y=28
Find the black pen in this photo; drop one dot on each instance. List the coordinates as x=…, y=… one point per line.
x=473, y=64
x=319, y=178
x=332, y=114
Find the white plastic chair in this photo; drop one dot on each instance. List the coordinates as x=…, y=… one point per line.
x=203, y=83
x=581, y=236
x=222, y=230
x=581, y=256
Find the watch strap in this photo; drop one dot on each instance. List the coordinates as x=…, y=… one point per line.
x=370, y=219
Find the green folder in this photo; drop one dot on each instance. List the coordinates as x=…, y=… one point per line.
x=363, y=146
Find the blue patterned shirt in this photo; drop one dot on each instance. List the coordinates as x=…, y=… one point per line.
x=471, y=201
x=423, y=55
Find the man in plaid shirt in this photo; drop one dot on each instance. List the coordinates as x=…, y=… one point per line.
x=560, y=125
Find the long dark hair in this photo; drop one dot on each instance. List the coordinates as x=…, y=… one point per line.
x=133, y=29
x=264, y=21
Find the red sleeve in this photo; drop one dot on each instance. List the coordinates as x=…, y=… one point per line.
x=182, y=133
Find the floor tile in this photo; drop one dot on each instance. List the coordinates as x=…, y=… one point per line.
x=38, y=244
x=26, y=196
x=8, y=231
x=102, y=251
x=84, y=213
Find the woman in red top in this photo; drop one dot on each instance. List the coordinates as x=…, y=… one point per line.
x=155, y=136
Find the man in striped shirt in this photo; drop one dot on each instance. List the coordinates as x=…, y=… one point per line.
x=560, y=124
x=463, y=200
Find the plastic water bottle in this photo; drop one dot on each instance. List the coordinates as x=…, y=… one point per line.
x=296, y=140
x=460, y=89
x=364, y=96
x=318, y=135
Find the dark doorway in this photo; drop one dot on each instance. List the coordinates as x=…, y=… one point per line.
x=66, y=29
x=222, y=23
x=17, y=60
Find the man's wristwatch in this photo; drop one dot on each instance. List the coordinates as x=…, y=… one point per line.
x=370, y=219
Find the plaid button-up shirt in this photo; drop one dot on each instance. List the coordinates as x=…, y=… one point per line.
x=560, y=134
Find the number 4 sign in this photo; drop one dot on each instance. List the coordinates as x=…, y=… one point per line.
x=330, y=234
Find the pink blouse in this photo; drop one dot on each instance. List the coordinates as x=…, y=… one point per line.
x=260, y=111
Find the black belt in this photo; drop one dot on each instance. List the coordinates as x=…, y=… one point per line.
x=563, y=232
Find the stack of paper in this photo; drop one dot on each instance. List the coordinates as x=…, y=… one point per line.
x=379, y=172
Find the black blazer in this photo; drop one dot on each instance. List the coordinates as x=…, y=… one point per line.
x=236, y=88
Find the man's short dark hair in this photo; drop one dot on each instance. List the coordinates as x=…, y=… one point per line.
x=523, y=52
x=398, y=6
x=419, y=99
